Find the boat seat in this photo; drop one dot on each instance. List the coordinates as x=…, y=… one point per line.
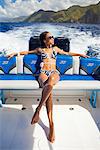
x=22, y=72
x=30, y=82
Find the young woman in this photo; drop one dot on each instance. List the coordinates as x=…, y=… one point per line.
x=48, y=77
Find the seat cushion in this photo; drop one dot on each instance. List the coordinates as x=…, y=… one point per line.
x=31, y=77
x=30, y=82
x=17, y=77
x=76, y=77
x=18, y=82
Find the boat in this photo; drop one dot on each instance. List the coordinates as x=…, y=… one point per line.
x=76, y=106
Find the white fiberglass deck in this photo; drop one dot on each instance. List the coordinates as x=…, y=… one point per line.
x=74, y=129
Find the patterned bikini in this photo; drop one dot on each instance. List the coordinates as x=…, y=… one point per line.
x=44, y=56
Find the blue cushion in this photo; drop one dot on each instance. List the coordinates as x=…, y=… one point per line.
x=31, y=77
x=32, y=63
x=17, y=77
x=6, y=65
x=64, y=63
x=76, y=77
x=89, y=65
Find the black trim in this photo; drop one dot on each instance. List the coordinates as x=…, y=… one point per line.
x=12, y=68
x=65, y=70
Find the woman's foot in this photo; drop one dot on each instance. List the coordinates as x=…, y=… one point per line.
x=35, y=117
x=51, y=136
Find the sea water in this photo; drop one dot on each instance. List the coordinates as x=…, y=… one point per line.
x=14, y=37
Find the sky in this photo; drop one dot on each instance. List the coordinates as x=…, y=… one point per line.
x=17, y=8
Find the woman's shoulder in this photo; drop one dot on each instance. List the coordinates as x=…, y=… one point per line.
x=39, y=50
x=56, y=48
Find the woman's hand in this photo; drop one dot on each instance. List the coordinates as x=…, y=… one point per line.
x=83, y=55
x=23, y=52
x=14, y=54
x=11, y=55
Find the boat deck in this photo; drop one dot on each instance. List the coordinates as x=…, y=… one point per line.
x=75, y=127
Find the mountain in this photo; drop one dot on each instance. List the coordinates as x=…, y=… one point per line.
x=17, y=19
x=41, y=16
x=88, y=14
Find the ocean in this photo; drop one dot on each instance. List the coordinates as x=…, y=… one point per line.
x=14, y=37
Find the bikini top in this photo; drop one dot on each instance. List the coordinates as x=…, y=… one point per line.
x=47, y=55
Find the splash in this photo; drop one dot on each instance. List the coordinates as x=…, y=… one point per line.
x=81, y=37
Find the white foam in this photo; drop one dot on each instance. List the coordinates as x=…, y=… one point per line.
x=80, y=41
x=18, y=38
x=13, y=41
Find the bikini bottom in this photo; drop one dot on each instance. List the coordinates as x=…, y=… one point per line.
x=49, y=72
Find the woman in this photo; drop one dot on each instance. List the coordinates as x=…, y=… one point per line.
x=48, y=77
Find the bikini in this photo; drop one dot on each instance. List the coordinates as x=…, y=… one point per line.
x=44, y=56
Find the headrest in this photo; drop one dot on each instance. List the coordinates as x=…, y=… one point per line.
x=61, y=42
x=34, y=42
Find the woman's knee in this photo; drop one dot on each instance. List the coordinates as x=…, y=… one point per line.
x=42, y=79
x=53, y=79
x=49, y=85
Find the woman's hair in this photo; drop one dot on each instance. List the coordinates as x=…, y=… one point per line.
x=42, y=38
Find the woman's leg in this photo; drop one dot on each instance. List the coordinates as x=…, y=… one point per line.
x=49, y=107
x=42, y=79
x=52, y=80
x=45, y=94
x=47, y=97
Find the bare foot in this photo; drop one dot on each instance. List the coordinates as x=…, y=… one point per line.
x=51, y=136
x=35, y=117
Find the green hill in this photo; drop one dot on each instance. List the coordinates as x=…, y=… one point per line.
x=88, y=14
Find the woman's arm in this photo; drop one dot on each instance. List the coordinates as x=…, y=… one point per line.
x=70, y=53
x=35, y=51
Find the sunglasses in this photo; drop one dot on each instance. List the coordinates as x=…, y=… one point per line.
x=51, y=37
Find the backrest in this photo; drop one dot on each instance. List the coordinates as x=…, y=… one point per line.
x=64, y=64
x=32, y=64
x=88, y=66
x=8, y=66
